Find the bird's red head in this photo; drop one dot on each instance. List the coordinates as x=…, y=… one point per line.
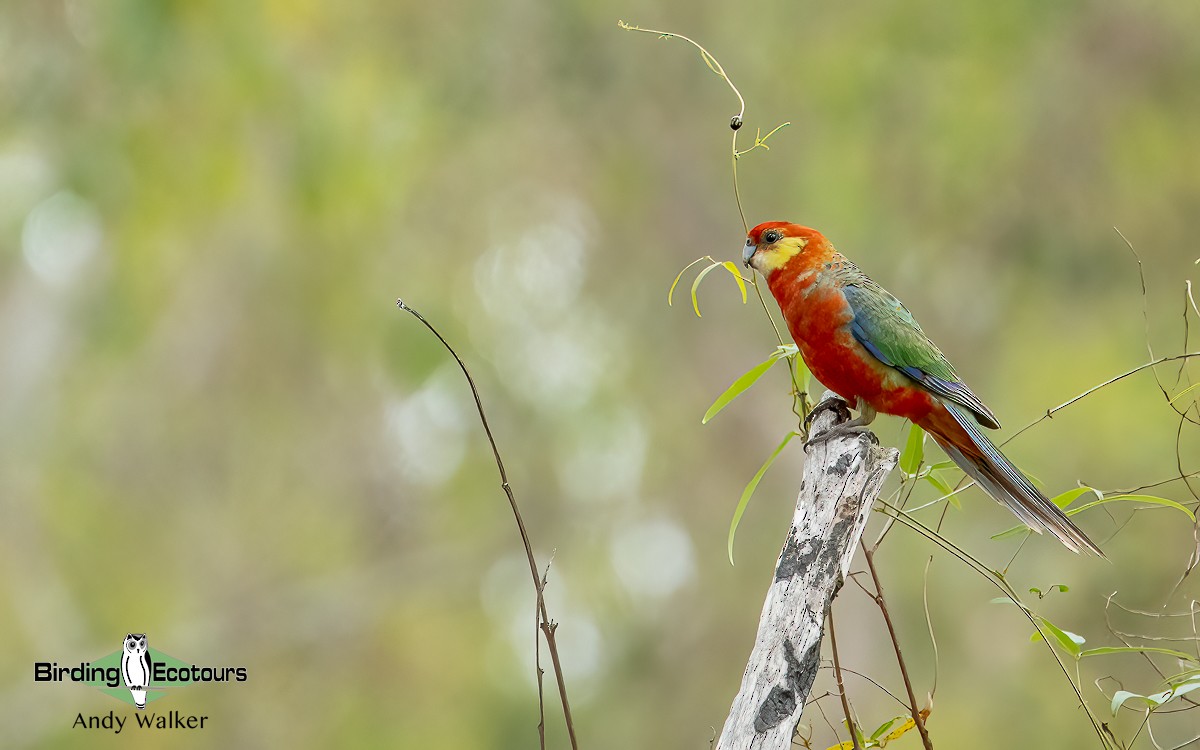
x=772, y=244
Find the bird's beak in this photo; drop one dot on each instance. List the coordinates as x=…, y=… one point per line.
x=748, y=253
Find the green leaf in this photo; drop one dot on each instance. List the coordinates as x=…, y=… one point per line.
x=1133, y=650
x=1068, y=640
x=1134, y=498
x=1156, y=700
x=935, y=478
x=1185, y=688
x=1062, y=588
x=696, y=285
x=1014, y=602
x=1068, y=497
x=739, y=386
x=884, y=727
x=1185, y=676
x=1120, y=697
x=862, y=740
x=904, y=727
x=914, y=451
x=737, y=276
x=671, y=291
x=1062, y=501
x=1034, y=480
x=753, y=485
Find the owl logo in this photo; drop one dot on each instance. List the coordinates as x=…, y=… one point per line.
x=135, y=667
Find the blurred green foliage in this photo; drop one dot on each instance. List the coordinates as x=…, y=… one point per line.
x=216, y=428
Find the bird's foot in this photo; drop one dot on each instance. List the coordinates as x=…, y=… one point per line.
x=836, y=404
x=849, y=429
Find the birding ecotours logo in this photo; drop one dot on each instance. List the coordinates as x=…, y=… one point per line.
x=136, y=673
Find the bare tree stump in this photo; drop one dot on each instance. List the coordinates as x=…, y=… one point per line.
x=842, y=478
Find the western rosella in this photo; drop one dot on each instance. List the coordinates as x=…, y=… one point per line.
x=863, y=344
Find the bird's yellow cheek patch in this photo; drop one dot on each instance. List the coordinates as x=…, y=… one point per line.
x=778, y=255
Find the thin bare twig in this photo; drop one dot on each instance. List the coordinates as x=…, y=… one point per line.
x=547, y=625
x=735, y=122
x=929, y=623
x=874, y=682
x=869, y=554
x=1051, y=412
x=837, y=674
x=1000, y=583
x=800, y=402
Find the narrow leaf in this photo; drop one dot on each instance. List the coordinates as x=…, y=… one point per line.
x=899, y=731
x=753, y=485
x=1134, y=498
x=739, y=386
x=1069, y=641
x=1120, y=697
x=696, y=285
x=1035, y=480
x=1070, y=496
x=1062, y=501
x=737, y=276
x=1185, y=676
x=954, y=500
x=671, y=291
x=1185, y=688
x=937, y=480
x=884, y=727
x=914, y=450
x=710, y=62
x=1133, y=650
x=1160, y=698
x=1184, y=392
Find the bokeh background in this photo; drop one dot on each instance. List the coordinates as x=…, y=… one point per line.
x=215, y=426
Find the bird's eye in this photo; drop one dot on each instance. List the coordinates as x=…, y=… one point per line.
x=772, y=235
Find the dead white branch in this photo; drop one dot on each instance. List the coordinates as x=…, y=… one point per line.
x=842, y=479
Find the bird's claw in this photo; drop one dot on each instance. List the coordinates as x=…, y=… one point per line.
x=842, y=430
x=838, y=405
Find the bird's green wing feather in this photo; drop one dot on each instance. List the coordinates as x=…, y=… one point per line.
x=889, y=332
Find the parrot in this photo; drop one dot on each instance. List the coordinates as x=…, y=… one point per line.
x=863, y=344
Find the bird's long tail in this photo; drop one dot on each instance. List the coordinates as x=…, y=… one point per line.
x=962, y=438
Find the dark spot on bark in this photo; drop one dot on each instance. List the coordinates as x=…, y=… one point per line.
x=840, y=530
x=845, y=518
x=795, y=558
x=842, y=465
x=779, y=705
x=782, y=701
